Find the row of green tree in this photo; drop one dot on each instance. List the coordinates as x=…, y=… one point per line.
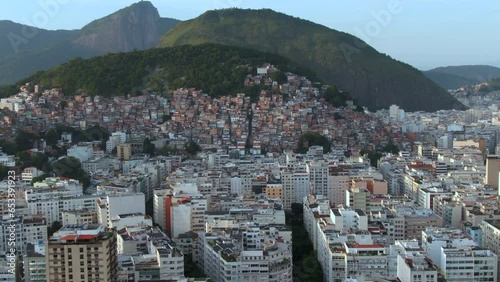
x=310, y=139
x=338, y=98
x=305, y=262
x=375, y=155
x=191, y=148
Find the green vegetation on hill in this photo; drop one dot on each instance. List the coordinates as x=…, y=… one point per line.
x=94, y=133
x=335, y=97
x=448, y=81
x=454, y=77
x=71, y=167
x=493, y=85
x=375, y=80
x=8, y=90
x=478, y=73
x=216, y=69
x=310, y=139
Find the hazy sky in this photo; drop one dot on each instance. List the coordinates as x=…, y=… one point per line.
x=423, y=33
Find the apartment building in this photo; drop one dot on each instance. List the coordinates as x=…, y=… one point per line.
x=491, y=234
x=147, y=253
x=492, y=170
x=79, y=217
x=124, y=151
x=435, y=238
x=339, y=182
x=249, y=254
x=413, y=267
x=468, y=264
x=27, y=229
x=180, y=209
x=82, y=253
x=112, y=207
x=296, y=185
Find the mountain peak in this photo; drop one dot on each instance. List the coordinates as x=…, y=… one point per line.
x=138, y=26
x=145, y=7
x=375, y=80
x=142, y=4
x=135, y=27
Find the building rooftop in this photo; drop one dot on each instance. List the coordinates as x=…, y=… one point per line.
x=493, y=222
x=81, y=238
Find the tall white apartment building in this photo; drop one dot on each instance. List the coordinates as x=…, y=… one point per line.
x=112, y=207
x=248, y=254
x=318, y=171
x=180, y=209
x=314, y=208
x=339, y=182
x=435, y=238
x=27, y=229
x=296, y=185
x=34, y=262
x=241, y=184
x=468, y=264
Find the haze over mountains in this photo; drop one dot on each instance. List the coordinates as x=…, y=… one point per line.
x=138, y=26
x=373, y=79
x=453, y=77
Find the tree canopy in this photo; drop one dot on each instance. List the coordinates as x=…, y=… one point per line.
x=309, y=139
x=192, y=148
x=336, y=97
x=71, y=167
x=216, y=69
x=148, y=147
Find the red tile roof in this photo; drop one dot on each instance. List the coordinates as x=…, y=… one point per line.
x=370, y=246
x=78, y=237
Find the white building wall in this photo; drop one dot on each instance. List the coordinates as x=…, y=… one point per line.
x=52, y=208
x=337, y=187
x=181, y=219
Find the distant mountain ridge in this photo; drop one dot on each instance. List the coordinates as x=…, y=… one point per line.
x=136, y=27
x=375, y=80
x=453, y=77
